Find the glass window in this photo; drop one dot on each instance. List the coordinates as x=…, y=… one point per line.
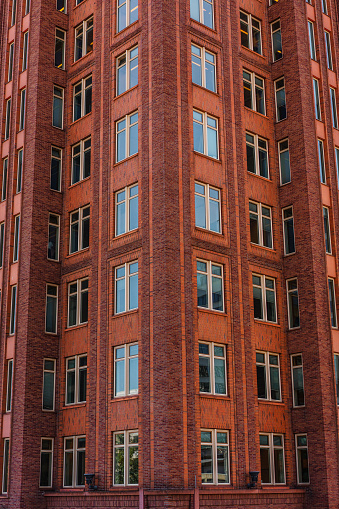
x=311, y=40
x=268, y=376
x=10, y=61
x=22, y=109
x=250, y=32
x=316, y=99
x=4, y=179
x=126, y=210
x=78, y=302
x=19, y=171
x=56, y=159
x=51, y=309
x=336, y=371
x=2, y=243
x=53, y=237
x=333, y=303
x=13, y=18
x=257, y=155
x=9, y=385
x=321, y=158
x=202, y=11
x=333, y=108
x=61, y=5
x=210, y=288
x=126, y=370
x=126, y=287
x=328, y=50
x=83, y=39
x=5, y=464
x=254, y=92
x=81, y=161
x=127, y=13
x=79, y=229
x=215, y=457
x=8, y=118
x=16, y=238
x=48, y=390
x=302, y=459
x=277, y=53
x=205, y=134
x=46, y=462
x=25, y=52
x=58, y=107
x=125, y=458
x=327, y=231
x=207, y=207
x=261, y=224
x=127, y=70
x=59, y=53
x=76, y=379
x=203, y=68
x=288, y=230
x=297, y=380
x=212, y=368
x=280, y=99
x=74, y=461
x=293, y=303
x=264, y=298
x=82, y=98
x=272, y=459
x=12, y=320
x=127, y=136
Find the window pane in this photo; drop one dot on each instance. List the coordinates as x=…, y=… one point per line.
x=46, y=469
x=133, y=140
x=195, y=12
x=120, y=377
x=70, y=395
x=279, y=466
x=200, y=211
x=207, y=14
x=298, y=385
x=48, y=391
x=219, y=374
x=265, y=465
x=198, y=136
x=257, y=302
x=214, y=216
x=261, y=382
x=270, y=306
x=217, y=300
x=303, y=466
x=212, y=143
x=68, y=469
x=51, y=313
x=275, y=383
x=133, y=375
x=80, y=468
x=206, y=464
x=133, y=465
x=133, y=292
x=202, y=290
x=119, y=470
x=204, y=374
x=82, y=384
x=133, y=213
x=222, y=462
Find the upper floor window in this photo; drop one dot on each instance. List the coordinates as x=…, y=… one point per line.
x=212, y=368
x=321, y=157
x=261, y=224
x=210, y=285
x=58, y=107
x=311, y=40
x=280, y=99
x=4, y=179
x=297, y=380
x=5, y=467
x=2, y=242
x=337, y=162
x=272, y=458
x=277, y=53
x=74, y=461
x=254, y=92
x=82, y=98
x=8, y=118
x=268, y=376
x=46, y=463
x=76, y=379
x=81, y=161
x=126, y=287
x=59, y=51
x=10, y=61
x=293, y=303
x=264, y=298
x=27, y=6
x=48, y=386
x=19, y=171
x=328, y=50
x=127, y=70
x=207, y=207
x=332, y=302
x=302, y=459
x=215, y=465
x=127, y=136
x=16, y=242
x=61, y=5
x=9, y=387
x=334, y=108
x=250, y=32
x=203, y=67
x=256, y=155
x=126, y=211
x=288, y=230
x=56, y=160
x=83, y=39
x=205, y=134
x=316, y=98
x=51, y=309
x=125, y=458
x=327, y=230
x=13, y=17
x=284, y=162
x=53, y=237
x=77, y=302
x=127, y=13
x=25, y=51
x=336, y=374
x=12, y=319
x=22, y=109
x=126, y=370
x=202, y=11
x=79, y=229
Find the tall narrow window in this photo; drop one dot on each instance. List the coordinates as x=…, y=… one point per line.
x=336, y=372
x=4, y=179
x=12, y=319
x=276, y=41
x=126, y=287
x=311, y=40
x=16, y=238
x=254, y=92
x=81, y=160
x=59, y=50
x=203, y=68
x=74, y=461
x=9, y=385
x=76, y=379
x=19, y=171
x=48, y=388
x=297, y=380
x=250, y=32
x=22, y=109
x=280, y=99
x=316, y=99
x=272, y=459
x=27, y=6
x=264, y=298
x=25, y=52
x=284, y=162
x=321, y=158
x=53, y=237
x=202, y=11
x=328, y=50
x=10, y=61
x=260, y=224
x=127, y=70
x=82, y=98
x=58, y=107
x=268, y=376
x=83, y=39
x=61, y=5
x=126, y=370
x=127, y=137
x=205, y=134
x=125, y=458
x=324, y=6
x=212, y=368
x=288, y=229
x=8, y=118
x=77, y=302
x=327, y=230
x=127, y=13
x=2, y=243
x=215, y=457
x=13, y=18
x=210, y=287
x=293, y=303
x=207, y=207
x=337, y=162
x=5, y=464
x=79, y=229
x=126, y=210
x=333, y=303
x=257, y=155
x=51, y=309
x=46, y=462
x=334, y=108
x=56, y=159
x=302, y=459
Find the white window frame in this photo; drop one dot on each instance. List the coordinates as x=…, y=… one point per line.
x=10, y=62
x=83, y=151
x=5, y=475
x=126, y=278
x=79, y=293
x=334, y=110
x=209, y=264
x=271, y=448
x=25, y=51
x=337, y=163
x=27, y=6
x=288, y=292
x=8, y=119
x=289, y=159
x=267, y=365
x=263, y=296
x=127, y=357
x=12, y=319
x=63, y=105
x=285, y=219
x=58, y=37
x=16, y=238
x=253, y=87
x=203, y=51
x=9, y=385
x=328, y=47
x=335, y=316
x=44, y=370
x=64, y=8
x=127, y=202
x=75, y=449
x=20, y=159
x=127, y=129
x=329, y=230
x=2, y=243
x=57, y=227
x=257, y=149
x=205, y=117
x=4, y=179
x=273, y=31
x=214, y=444
x=127, y=64
x=85, y=29
x=76, y=370
x=211, y=358
x=201, y=14
x=22, y=109
x=249, y=23
x=58, y=158
x=311, y=39
x=80, y=221
x=276, y=89
x=321, y=161
x=13, y=14
x=125, y=447
x=260, y=216
x=55, y=297
x=292, y=378
x=82, y=94
x=316, y=99
x=324, y=7
x=128, y=14
x=297, y=449
x=207, y=199
x=49, y=451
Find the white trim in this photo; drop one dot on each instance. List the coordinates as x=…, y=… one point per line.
x=292, y=378
x=43, y=383
x=51, y=452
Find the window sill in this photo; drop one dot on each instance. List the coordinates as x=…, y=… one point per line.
x=253, y=52
x=124, y=235
x=259, y=176
x=53, y=260
x=124, y=313
x=79, y=59
x=119, y=487
x=289, y=254
x=205, y=230
x=81, y=118
x=80, y=182
x=207, y=157
x=125, y=398
x=70, y=255
x=213, y=311
x=56, y=127
x=256, y=112
x=78, y=5
x=123, y=30
x=271, y=402
x=293, y=328
x=124, y=93
x=264, y=322
x=205, y=89
x=74, y=327
x=74, y=405
x=126, y=159
x=214, y=396
x=269, y=249
x=195, y=21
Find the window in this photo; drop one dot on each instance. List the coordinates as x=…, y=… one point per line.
x=74, y=461
x=268, y=376
x=280, y=99
x=127, y=70
x=293, y=303
x=261, y=225
x=5, y=463
x=126, y=287
x=272, y=459
x=13, y=19
x=277, y=53
x=77, y=302
x=81, y=160
x=212, y=368
x=327, y=230
x=53, y=237
x=207, y=207
x=51, y=308
x=8, y=118
x=22, y=109
x=19, y=171
x=83, y=39
x=48, y=390
x=126, y=210
x=78, y=2
x=16, y=238
x=257, y=155
x=125, y=458
x=4, y=179
x=82, y=98
x=61, y=5
x=250, y=32
x=25, y=52
x=13, y=310
x=127, y=136
x=56, y=158
x=311, y=40
x=79, y=229
x=126, y=370
x=27, y=6
x=333, y=303
x=127, y=13
x=254, y=92
x=59, y=53
x=46, y=463
x=10, y=62
x=264, y=298
x=321, y=158
x=9, y=385
x=334, y=108
x=316, y=99
x=328, y=50
x=58, y=107
x=215, y=457
x=288, y=229
x=76, y=379
x=210, y=288
x=202, y=11
x=302, y=459
x=324, y=6
x=203, y=68
x=2, y=243
x=205, y=134
x=336, y=371
x=337, y=162
x=297, y=380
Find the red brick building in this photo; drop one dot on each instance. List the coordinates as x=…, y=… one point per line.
x=168, y=247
